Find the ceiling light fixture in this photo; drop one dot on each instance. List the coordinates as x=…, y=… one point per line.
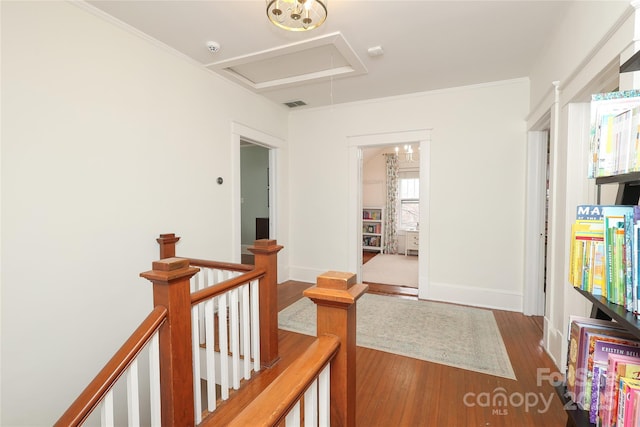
x=297, y=15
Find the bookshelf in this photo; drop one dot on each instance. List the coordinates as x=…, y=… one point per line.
x=372, y=229
x=628, y=194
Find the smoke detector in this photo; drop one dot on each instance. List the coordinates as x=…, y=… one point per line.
x=375, y=51
x=213, y=46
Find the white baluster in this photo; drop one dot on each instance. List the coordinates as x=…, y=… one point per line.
x=311, y=405
x=234, y=338
x=203, y=284
x=224, y=346
x=293, y=417
x=195, y=349
x=154, y=380
x=106, y=411
x=246, y=331
x=193, y=282
x=210, y=352
x=219, y=276
x=133, y=400
x=324, y=397
x=255, y=324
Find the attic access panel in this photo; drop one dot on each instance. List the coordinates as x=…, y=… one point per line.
x=310, y=60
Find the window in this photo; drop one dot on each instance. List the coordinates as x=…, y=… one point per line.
x=408, y=199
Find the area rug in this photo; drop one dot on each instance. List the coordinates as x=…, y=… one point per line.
x=391, y=270
x=462, y=337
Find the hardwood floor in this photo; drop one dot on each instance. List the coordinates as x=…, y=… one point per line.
x=394, y=390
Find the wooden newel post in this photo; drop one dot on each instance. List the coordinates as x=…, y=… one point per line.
x=266, y=256
x=335, y=296
x=167, y=245
x=170, y=279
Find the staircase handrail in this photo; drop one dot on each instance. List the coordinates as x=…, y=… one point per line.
x=222, y=287
x=278, y=398
x=93, y=394
x=231, y=266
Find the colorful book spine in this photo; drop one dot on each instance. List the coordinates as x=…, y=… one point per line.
x=608, y=336
x=618, y=366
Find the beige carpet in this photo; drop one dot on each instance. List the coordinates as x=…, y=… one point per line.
x=453, y=335
x=392, y=270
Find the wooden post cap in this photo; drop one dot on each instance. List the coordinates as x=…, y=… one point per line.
x=169, y=269
x=336, y=280
x=336, y=288
x=170, y=264
x=265, y=246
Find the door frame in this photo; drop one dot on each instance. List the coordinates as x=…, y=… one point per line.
x=355, y=144
x=535, y=218
x=240, y=132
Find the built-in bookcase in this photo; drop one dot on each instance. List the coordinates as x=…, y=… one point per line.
x=615, y=158
x=372, y=229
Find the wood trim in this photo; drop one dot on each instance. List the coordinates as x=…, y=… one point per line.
x=92, y=395
x=222, y=287
x=170, y=279
x=335, y=297
x=167, y=244
x=274, y=403
x=220, y=265
x=266, y=257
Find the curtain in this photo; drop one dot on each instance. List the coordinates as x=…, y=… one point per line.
x=390, y=232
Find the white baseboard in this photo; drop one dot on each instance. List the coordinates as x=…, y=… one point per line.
x=478, y=297
x=554, y=341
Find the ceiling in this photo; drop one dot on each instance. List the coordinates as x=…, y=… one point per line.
x=427, y=45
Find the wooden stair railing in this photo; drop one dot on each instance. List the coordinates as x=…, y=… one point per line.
x=280, y=397
x=172, y=298
x=102, y=384
x=266, y=260
x=171, y=322
x=335, y=296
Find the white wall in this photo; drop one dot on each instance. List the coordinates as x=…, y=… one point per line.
x=477, y=180
x=584, y=28
x=374, y=179
x=107, y=141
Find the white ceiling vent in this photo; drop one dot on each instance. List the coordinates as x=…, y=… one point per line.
x=319, y=58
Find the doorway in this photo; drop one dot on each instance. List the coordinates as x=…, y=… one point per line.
x=536, y=222
x=357, y=144
x=242, y=135
x=254, y=197
x=390, y=250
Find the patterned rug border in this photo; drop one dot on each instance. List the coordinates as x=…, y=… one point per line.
x=458, y=336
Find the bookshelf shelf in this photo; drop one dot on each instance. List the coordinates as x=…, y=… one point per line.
x=372, y=229
x=603, y=309
x=631, y=64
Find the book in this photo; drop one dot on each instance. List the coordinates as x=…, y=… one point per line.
x=587, y=269
x=625, y=403
x=618, y=366
x=575, y=350
x=600, y=362
x=597, y=392
x=590, y=337
x=623, y=219
x=614, y=133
